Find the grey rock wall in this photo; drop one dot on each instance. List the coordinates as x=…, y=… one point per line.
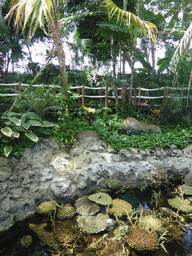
x=52, y=170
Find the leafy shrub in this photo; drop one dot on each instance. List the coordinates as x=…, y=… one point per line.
x=176, y=112
x=17, y=123
x=41, y=101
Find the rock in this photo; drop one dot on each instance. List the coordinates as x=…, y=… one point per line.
x=93, y=224
x=89, y=134
x=188, y=179
x=54, y=171
x=139, y=126
x=86, y=207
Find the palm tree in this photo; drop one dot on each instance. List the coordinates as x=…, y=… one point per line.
x=130, y=20
x=182, y=47
x=45, y=14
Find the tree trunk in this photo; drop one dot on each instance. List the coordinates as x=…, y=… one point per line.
x=59, y=53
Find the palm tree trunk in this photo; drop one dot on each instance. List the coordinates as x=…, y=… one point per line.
x=60, y=54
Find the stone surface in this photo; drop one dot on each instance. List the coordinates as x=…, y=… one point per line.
x=64, y=173
x=139, y=126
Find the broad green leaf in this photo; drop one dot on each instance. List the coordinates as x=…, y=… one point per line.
x=26, y=125
x=31, y=136
x=15, y=134
x=48, y=124
x=15, y=120
x=7, y=150
x=20, y=128
x=32, y=115
x=7, y=131
x=35, y=123
x=23, y=118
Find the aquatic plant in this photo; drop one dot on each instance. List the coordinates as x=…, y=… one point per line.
x=142, y=240
x=110, y=246
x=47, y=238
x=101, y=198
x=180, y=204
x=151, y=223
x=66, y=211
x=26, y=241
x=68, y=236
x=120, y=208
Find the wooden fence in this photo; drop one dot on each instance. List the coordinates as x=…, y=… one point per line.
x=141, y=97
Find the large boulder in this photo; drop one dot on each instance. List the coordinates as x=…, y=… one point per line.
x=136, y=126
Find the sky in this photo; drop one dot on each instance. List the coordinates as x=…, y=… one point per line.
x=38, y=52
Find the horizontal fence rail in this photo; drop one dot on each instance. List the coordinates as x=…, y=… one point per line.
x=139, y=96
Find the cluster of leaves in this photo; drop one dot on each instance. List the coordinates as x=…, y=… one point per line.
x=17, y=123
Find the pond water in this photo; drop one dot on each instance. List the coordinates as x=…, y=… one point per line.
x=11, y=240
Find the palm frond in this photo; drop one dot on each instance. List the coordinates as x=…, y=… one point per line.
x=130, y=20
x=181, y=48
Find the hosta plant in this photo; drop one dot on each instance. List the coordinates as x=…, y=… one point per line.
x=16, y=123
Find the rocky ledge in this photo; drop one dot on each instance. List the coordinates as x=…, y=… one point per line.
x=64, y=173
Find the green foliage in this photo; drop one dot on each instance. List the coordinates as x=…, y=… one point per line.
x=68, y=128
x=176, y=112
x=40, y=100
x=16, y=123
x=178, y=136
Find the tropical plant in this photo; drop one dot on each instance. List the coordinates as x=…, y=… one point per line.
x=49, y=16
x=132, y=23
x=182, y=47
x=41, y=100
x=16, y=123
x=130, y=20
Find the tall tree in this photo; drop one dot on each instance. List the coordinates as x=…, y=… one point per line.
x=48, y=16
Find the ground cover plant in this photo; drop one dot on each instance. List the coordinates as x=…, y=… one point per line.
x=173, y=120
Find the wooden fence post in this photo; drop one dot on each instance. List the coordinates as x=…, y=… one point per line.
x=123, y=96
x=165, y=94
x=100, y=93
x=19, y=87
x=15, y=88
x=83, y=95
x=139, y=96
x=79, y=100
x=135, y=99
x=106, y=96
